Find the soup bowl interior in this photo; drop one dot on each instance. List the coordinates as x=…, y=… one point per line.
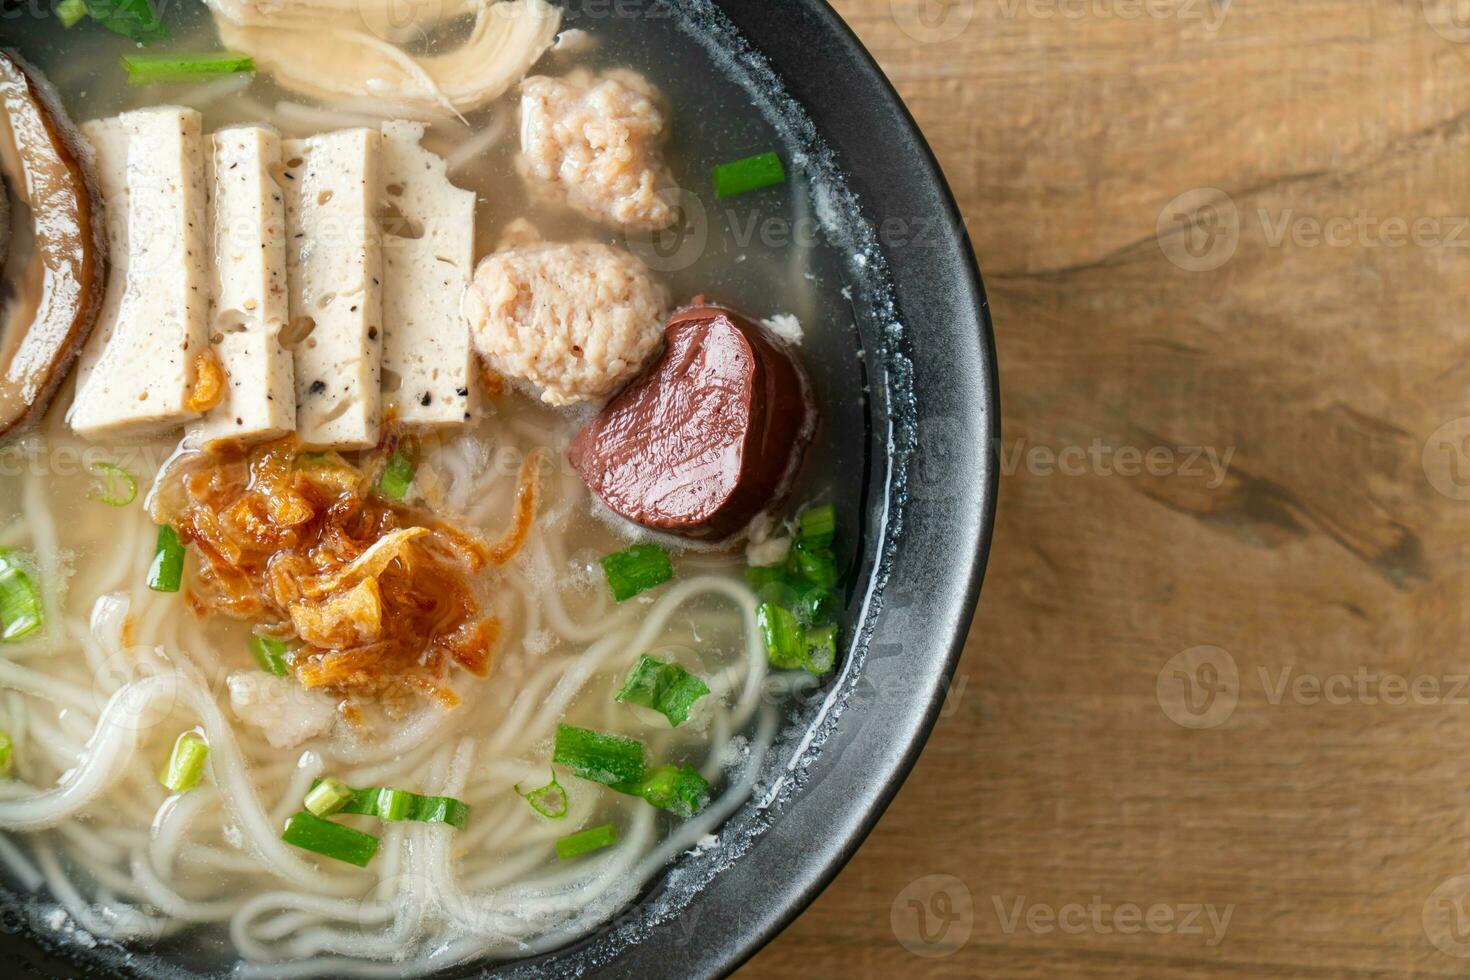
x=905, y=372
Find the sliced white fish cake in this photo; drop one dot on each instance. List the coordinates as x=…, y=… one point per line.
x=138, y=371
x=334, y=273
x=428, y=257
x=247, y=211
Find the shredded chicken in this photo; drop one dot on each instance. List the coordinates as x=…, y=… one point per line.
x=341, y=50
x=384, y=597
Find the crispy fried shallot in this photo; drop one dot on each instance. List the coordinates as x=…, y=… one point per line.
x=383, y=596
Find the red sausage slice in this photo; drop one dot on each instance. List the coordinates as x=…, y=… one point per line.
x=708, y=436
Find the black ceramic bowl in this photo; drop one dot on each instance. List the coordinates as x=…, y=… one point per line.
x=922, y=481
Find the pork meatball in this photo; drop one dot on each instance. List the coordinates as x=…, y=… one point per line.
x=574, y=322
x=592, y=143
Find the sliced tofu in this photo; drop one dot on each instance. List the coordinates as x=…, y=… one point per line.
x=334, y=273
x=109, y=139
x=139, y=370
x=247, y=212
x=428, y=258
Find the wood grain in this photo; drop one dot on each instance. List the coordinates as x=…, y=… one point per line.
x=1324, y=358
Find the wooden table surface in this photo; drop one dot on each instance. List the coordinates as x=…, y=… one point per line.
x=1213, y=718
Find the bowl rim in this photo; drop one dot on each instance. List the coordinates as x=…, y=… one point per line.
x=814, y=53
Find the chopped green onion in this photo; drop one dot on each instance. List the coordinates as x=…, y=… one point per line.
x=586, y=842
x=550, y=800
x=167, y=571
x=397, y=476
x=7, y=753
x=20, y=598
x=115, y=487
x=752, y=173
x=679, y=789
x=394, y=804
x=134, y=19
x=762, y=576
x=812, y=566
x=817, y=526
x=821, y=649
x=270, y=653
x=163, y=69
x=784, y=638
x=387, y=803
x=186, y=764
x=440, y=809
x=665, y=687
x=69, y=12
x=606, y=759
x=311, y=833
x=636, y=569
x=818, y=607
x=327, y=797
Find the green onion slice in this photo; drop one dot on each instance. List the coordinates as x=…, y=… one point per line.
x=818, y=607
x=311, y=833
x=440, y=809
x=69, y=12
x=397, y=476
x=784, y=638
x=663, y=686
x=7, y=754
x=812, y=566
x=636, y=569
x=186, y=765
x=606, y=759
x=817, y=526
x=167, y=571
x=550, y=800
x=164, y=69
x=679, y=789
x=327, y=797
x=134, y=19
x=586, y=842
x=270, y=653
x=790, y=646
x=765, y=576
x=821, y=649
x=752, y=173
x=387, y=803
x=20, y=598
x=115, y=486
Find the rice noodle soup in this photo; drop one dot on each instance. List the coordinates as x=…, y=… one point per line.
x=419, y=495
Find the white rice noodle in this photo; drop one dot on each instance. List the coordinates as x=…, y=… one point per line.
x=86, y=821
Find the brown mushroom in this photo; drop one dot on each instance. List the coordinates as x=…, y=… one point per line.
x=55, y=266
